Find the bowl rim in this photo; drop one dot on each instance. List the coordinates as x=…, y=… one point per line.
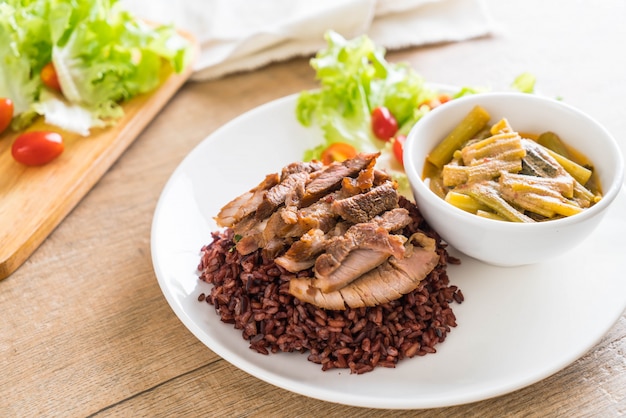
x=420, y=187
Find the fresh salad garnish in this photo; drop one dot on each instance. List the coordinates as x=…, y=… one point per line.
x=75, y=61
x=365, y=102
x=355, y=78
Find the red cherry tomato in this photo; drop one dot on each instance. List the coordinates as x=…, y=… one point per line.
x=49, y=77
x=384, y=124
x=398, y=148
x=6, y=113
x=338, y=151
x=37, y=147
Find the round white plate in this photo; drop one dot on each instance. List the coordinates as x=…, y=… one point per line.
x=516, y=326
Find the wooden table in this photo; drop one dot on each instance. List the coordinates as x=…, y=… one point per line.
x=86, y=331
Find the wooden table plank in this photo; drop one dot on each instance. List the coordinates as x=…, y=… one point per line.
x=86, y=330
x=36, y=199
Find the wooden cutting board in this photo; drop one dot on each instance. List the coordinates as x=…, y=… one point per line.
x=34, y=200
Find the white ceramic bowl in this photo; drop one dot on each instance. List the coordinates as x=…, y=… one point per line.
x=510, y=243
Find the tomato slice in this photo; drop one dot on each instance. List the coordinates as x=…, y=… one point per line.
x=6, y=113
x=37, y=147
x=398, y=148
x=338, y=151
x=49, y=77
x=438, y=100
x=384, y=124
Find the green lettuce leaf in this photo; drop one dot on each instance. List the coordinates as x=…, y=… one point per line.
x=355, y=78
x=103, y=56
x=524, y=83
x=24, y=46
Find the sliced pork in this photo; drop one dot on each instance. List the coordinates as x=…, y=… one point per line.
x=340, y=225
x=393, y=220
x=292, y=187
x=303, y=253
x=364, y=206
x=363, y=247
x=388, y=281
x=299, y=167
x=245, y=204
x=331, y=177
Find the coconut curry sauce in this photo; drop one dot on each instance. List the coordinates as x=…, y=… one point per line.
x=496, y=172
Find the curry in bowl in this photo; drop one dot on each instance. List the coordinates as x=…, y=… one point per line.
x=495, y=172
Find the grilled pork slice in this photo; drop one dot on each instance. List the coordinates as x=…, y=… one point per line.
x=363, y=247
x=353, y=266
x=269, y=194
x=393, y=220
x=282, y=208
x=250, y=233
x=290, y=190
x=330, y=178
x=365, y=180
x=300, y=167
x=291, y=186
x=303, y=253
x=387, y=282
x=288, y=224
x=364, y=206
x=246, y=204
x=302, y=289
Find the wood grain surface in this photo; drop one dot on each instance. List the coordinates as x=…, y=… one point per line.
x=86, y=332
x=36, y=199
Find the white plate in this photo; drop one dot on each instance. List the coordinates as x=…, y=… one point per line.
x=516, y=326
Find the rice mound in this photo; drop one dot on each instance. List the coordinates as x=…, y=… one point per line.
x=252, y=293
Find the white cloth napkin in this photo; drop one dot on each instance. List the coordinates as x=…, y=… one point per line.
x=240, y=35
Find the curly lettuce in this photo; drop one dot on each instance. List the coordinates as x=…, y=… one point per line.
x=102, y=55
x=354, y=79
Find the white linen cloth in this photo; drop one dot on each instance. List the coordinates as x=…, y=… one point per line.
x=240, y=35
